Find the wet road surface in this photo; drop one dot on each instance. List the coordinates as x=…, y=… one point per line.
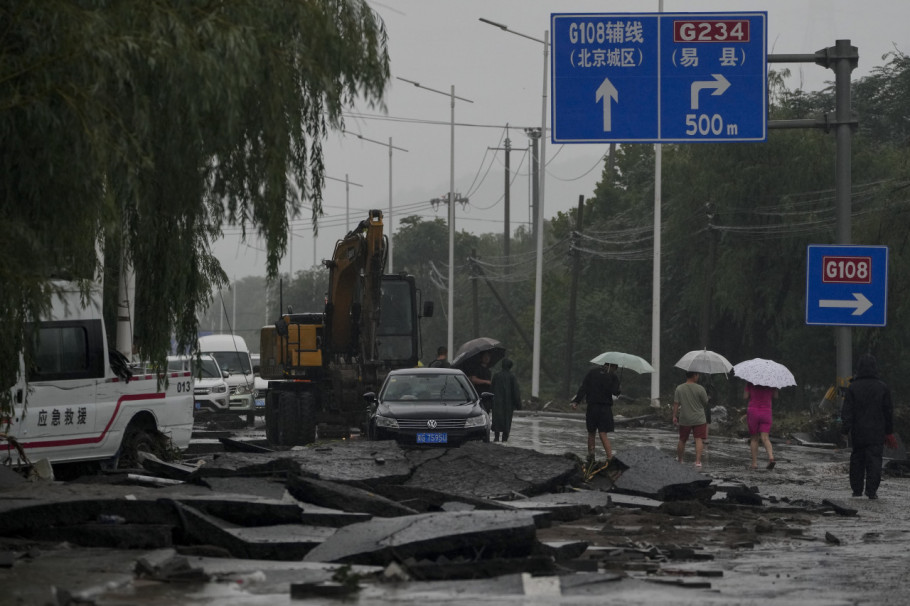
x=869, y=565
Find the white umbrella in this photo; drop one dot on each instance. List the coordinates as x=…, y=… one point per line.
x=624, y=360
x=704, y=361
x=766, y=373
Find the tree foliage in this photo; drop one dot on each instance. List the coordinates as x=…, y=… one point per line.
x=143, y=128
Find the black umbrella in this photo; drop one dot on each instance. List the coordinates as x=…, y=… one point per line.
x=470, y=351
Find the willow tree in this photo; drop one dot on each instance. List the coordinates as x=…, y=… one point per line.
x=141, y=129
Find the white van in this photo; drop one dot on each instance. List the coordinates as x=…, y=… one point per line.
x=233, y=356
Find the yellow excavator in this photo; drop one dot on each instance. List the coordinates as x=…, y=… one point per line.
x=319, y=364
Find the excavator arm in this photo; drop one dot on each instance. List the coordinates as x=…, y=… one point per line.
x=355, y=281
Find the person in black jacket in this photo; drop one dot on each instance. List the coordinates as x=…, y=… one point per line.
x=868, y=418
x=598, y=388
x=442, y=358
x=506, y=400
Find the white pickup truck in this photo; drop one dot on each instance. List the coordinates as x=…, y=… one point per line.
x=81, y=402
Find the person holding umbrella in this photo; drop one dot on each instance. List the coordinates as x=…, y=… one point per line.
x=598, y=388
x=758, y=418
x=763, y=380
x=481, y=376
x=689, y=402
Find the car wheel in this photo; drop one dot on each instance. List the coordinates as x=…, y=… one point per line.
x=137, y=439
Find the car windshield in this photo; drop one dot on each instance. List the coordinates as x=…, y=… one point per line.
x=427, y=388
x=233, y=361
x=209, y=369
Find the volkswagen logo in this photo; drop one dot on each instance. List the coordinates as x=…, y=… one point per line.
x=431, y=423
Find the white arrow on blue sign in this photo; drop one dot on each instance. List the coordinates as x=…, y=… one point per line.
x=847, y=285
x=659, y=77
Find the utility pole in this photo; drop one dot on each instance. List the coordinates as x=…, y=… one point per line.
x=507, y=227
x=534, y=135
x=507, y=230
x=475, y=301
x=573, y=295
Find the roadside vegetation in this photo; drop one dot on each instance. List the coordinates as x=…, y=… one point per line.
x=134, y=132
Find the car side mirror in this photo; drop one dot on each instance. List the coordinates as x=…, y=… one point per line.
x=225, y=374
x=369, y=397
x=427, y=309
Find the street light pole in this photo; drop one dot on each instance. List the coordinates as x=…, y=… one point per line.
x=538, y=288
x=538, y=296
x=452, y=97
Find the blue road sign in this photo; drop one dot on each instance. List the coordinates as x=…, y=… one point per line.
x=847, y=285
x=659, y=77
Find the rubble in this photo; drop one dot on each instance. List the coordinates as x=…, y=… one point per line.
x=343, y=518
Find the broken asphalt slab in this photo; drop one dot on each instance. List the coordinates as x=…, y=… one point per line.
x=475, y=470
x=344, y=497
x=481, y=470
x=472, y=535
x=653, y=474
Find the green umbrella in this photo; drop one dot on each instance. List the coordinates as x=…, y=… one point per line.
x=624, y=360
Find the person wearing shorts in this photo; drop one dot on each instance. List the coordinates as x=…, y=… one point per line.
x=598, y=388
x=758, y=418
x=689, y=403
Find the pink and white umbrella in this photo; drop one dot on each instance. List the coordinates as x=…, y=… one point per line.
x=766, y=373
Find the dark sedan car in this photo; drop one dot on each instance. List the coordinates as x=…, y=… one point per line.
x=428, y=406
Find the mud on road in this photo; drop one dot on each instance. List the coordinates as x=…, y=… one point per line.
x=789, y=535
x=775, y=553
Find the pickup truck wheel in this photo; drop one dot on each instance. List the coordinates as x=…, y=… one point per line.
x=294, y=423
x=136, y=440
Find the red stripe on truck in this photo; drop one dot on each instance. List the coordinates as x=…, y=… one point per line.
x=94, y=439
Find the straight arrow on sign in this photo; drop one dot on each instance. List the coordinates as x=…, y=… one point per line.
x=860, y=303
x=607, y=91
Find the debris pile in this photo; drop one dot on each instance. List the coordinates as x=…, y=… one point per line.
x=335, y=519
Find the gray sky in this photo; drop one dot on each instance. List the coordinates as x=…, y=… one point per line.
x=441, y=43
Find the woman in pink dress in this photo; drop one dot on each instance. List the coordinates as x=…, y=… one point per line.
x=758, y=417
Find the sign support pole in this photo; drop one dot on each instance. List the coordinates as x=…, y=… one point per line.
x=846, y=59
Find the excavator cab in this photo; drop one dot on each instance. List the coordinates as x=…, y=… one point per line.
x=397, y=334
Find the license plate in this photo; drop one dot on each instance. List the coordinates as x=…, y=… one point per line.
x=260, y=402
x=198, y=405
x=432, y=438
